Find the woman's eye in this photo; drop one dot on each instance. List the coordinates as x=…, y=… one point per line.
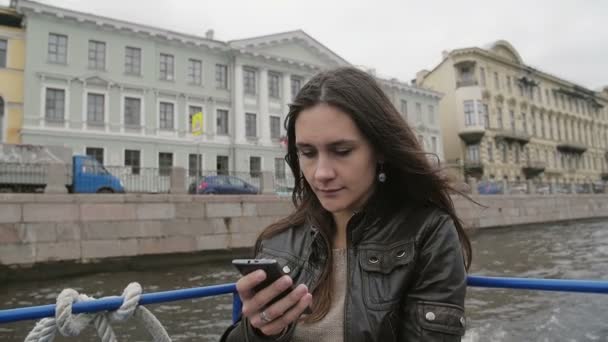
x=307, y=154
x=343, y=152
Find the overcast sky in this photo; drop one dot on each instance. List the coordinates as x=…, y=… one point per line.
x=398, y=38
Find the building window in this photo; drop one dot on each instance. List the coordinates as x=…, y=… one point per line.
x=97, y=55
x=255, y=166
x=524, y=122
x=96, y=153
x=431, y=114
x=192, y=110
x=404, y=109
x=166, y=115
x=490, y=152
x=275, y=127
x=499, y=118
x=249, y=81
x=195, y=71
x=503, y=148
x=473, y=153
x=542, y=125
x=54, y=108
x=533, y=118
x=251, y=125
x=95, y=109
x=279, y=168
x=132, y=112
x=3, y=52
x=512, y=117
x=132, y=160
x=421, y=140
x=195, y=165
x=221, y=165
x=166, y=67
x=496, y=81
x=466, y=75
x=481, y=114
x=274, y=84
x=165, y=163
x=58, y=48
x=418, y=112
x=547, y=97
x=486, y=116
x=222, y=122
x=509, y=85
x=221, y=76
x=132, y=61
x=1, y=120
x=296, y=85
x=482, y=76
x=469, y=113
x=516, y=148
x=434, y=144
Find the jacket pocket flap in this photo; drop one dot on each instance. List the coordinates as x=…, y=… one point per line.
x=441, y=317
x=384, y=260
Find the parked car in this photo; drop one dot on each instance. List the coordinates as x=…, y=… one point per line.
x=221, y=184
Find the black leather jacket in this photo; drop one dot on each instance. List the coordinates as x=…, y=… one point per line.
x=406, y=277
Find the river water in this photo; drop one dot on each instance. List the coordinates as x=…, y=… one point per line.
x=577, y=250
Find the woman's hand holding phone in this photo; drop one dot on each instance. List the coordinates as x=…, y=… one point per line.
x=272, y=318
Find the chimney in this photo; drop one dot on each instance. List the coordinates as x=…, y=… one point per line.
x=445, y=54
x=420, y=75
x=209, y=34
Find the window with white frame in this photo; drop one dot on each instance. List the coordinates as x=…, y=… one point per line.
x=222, y=121
x=221, y=76
x=279, y=168
x=499, y=118
x=249, y=81
x=481, y=113
x=167, y=67
x=133, y=160
x=469, y=113
x=195, y=165
x=404, y=109
x=195, y=71
x=191, y=111
x=57, y=48
x=95, y=109
x=132, y=112
x=166, y=114
x=296, y=85
x=96, y=153
x=165, y=163
x=251, y=125
x=97, y=55
x=496, y=81
x=473, y=153
x=54, y=107
x=274, y=84
x=275, y=127
x=524, y=122
x=482, y=77
x=431, y=114
x=255, y=166
x=512, y=117
x=490, y=152
x=132, y=60
x=3, y=52
x=418, y=112
x=486, y=116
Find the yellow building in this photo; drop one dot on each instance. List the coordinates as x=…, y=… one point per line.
x=502, y=119
x=12, y=61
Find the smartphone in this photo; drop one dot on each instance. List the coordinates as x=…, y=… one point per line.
x=273, y=272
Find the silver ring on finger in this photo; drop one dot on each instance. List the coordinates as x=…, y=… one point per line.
x=264, y=317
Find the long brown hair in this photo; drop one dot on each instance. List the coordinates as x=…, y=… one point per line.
x=410, y=176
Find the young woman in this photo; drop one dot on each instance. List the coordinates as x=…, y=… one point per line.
x=374, y=244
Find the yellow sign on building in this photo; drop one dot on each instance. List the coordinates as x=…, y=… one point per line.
x=197, y=124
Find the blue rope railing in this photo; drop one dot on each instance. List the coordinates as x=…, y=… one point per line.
x=113, y=303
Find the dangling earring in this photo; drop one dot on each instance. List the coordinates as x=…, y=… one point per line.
x=381, y=174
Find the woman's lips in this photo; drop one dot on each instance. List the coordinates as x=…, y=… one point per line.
x=330, y=192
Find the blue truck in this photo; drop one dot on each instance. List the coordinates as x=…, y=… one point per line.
x=24, y=168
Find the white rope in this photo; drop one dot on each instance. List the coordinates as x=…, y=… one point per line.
x=72, y=325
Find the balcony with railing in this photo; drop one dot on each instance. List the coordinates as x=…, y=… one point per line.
x=571, y=147
x=472, y=135
x=513, y=136
x=533, y=168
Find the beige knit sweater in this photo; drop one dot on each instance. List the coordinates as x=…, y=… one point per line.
x=331, y=327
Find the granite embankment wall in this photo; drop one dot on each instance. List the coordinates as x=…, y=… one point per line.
x=43, y=228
